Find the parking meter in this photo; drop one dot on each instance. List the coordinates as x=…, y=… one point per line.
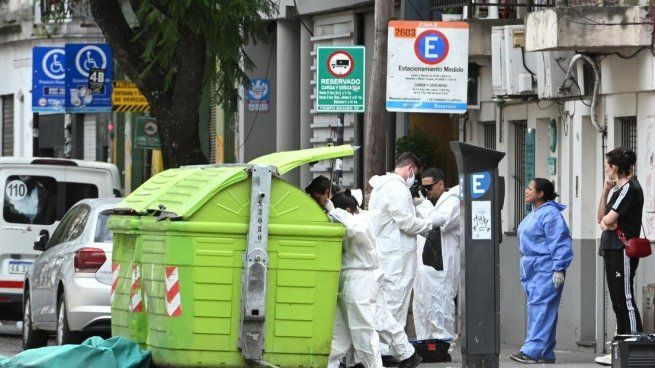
x=482, y=196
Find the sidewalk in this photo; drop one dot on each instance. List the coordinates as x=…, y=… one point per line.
x=564, y=359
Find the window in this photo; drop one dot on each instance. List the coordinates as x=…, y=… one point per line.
x=519, y=170
x=30, y=200
x=72, y=225
x=41, y=200
x=629, y=132
x=628, y=126
x=76, y=192
x=489, y=134
x=59, y=236
x=78, y=223
x=7, y=125
x=103, y=235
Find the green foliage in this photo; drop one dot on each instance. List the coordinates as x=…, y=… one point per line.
x=226, y=26
x=417, y=143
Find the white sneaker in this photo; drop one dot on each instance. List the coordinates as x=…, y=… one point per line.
x=604, y=360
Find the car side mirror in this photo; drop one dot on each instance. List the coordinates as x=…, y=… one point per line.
x=42, y=242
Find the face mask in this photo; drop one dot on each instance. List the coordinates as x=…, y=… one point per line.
x=410, y=181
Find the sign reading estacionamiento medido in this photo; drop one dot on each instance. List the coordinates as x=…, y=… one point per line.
x=427, y=67
x=340, y=81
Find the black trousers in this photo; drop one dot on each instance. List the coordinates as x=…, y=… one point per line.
x=620, y=274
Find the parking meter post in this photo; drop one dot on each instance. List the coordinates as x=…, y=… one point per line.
x=255, y=267
x=482, y=195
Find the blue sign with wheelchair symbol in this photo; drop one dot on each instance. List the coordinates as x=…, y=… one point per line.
x=431, y=47
x=48, y=79
x=80, y=59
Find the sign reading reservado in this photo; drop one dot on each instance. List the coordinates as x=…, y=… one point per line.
x=427, y=66
x=340, y=79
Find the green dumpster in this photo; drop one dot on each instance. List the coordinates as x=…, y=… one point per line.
x=127, y=257
x=224, y=279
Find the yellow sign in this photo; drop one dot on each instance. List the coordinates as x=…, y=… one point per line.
x=127, y=97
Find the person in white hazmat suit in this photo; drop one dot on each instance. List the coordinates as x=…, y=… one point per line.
x=359, y=309
x=435, y=291
x=394, y=340
x=355, y=325
x=396, y=226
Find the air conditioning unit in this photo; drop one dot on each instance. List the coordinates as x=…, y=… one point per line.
x=510, y=78
x=551, y=70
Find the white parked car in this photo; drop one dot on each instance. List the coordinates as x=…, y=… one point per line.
x=67, y=289
x=37, y=194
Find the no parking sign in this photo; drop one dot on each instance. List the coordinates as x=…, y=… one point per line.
x=340, y=79
x=427, y=67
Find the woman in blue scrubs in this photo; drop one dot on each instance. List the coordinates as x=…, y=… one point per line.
x=545, y=246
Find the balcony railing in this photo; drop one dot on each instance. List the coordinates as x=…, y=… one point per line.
x=46, y=11
x=490, y=9
x=572, y=3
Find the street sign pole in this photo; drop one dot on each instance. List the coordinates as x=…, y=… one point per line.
x=68, y=136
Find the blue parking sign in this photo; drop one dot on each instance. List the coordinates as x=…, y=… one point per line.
x=48, y=79
x=80, y=59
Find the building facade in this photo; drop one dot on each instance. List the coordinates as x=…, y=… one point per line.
x=521, y=102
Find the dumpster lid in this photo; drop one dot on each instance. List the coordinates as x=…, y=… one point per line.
x=287, y=161
x=180, y=192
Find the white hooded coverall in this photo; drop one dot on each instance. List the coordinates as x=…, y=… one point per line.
x=355, y=326
x=435, y=291
x=396, y=226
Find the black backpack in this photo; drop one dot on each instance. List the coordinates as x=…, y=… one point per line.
x=432, y=255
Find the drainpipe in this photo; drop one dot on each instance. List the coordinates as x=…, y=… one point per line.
x=594, y=98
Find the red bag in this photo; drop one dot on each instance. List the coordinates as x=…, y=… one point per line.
x=635, y=247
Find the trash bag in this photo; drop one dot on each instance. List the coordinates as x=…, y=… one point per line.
x=116, y=352
x=432, y=255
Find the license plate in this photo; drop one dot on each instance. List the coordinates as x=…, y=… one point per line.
x=19, y=267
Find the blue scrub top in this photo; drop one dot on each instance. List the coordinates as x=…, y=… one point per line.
x=543, y=233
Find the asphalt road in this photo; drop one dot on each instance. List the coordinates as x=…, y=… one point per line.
x=10, y=343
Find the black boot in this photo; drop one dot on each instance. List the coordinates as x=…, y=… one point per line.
x=411, y=362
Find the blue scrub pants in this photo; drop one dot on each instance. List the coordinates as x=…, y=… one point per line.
x=542, y=305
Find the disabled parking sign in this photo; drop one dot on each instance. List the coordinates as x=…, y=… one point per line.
x=427, y=67
x=81, y=60
x=48, y=79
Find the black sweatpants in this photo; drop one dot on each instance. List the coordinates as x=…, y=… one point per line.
x=620, y=274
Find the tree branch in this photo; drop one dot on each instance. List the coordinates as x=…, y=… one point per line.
x=126, y=48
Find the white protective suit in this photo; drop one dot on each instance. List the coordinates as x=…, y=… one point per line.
x=435, y=291
x=355, y=332
x=396, y=226
x=392, y=335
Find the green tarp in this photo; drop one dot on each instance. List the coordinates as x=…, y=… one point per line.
x=116, y=352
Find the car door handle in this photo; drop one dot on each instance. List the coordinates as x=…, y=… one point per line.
x=24, y=229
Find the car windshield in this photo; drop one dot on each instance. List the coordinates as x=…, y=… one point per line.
x=103, y=235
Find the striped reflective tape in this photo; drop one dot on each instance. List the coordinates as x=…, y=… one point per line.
x=136, y=299
x=115, y=270
x=131, y=108
x=173, y=299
